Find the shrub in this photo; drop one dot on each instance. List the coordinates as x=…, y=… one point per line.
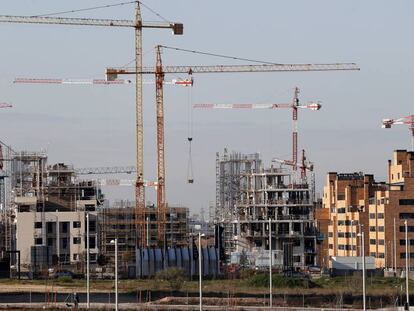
x=175, y=277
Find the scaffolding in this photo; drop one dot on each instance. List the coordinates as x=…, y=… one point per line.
x=229, y=170
x=119, y=222
x=273, y=196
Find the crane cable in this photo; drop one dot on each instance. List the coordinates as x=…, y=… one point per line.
x=87, y=9
x=219, y=55
x=190, y=175
x=105, y=7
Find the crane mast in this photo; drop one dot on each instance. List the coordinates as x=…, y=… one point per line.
x=139, y=127
x=161, y=203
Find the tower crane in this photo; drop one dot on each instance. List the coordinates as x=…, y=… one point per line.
x=137, y=25
x=160, y=71
x=409, y=120
x=294, y=105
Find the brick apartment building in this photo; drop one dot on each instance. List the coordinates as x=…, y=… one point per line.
x=355, y=202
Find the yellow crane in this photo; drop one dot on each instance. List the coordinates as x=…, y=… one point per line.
x=137, y=25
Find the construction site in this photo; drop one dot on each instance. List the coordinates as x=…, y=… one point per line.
x=226, y=136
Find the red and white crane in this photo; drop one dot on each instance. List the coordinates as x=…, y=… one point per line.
x=179, y=82
x=408, y=120
x=294, y=105
x=5, y=105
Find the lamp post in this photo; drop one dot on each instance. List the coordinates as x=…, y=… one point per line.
x=407, y=307
x=270, y=264
x=87, y=262
x=361, y=235
x=116, y=272
x=200, y=275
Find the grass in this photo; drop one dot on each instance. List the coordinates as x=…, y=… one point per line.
x=256, y=284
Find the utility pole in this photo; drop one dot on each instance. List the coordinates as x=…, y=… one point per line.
x=270, y=264
x=363, y=273
x=87, y=261
x=200, y=274
x=395, y=248
x=407, y=294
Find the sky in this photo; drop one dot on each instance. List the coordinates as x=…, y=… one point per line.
x=93, y=126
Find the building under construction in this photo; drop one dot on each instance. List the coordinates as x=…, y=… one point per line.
x=250, y=196
x=120, y=222
x=230, y=167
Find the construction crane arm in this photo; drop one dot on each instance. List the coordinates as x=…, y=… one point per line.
x=176, y=27
x=106, y=170
x=113, y=72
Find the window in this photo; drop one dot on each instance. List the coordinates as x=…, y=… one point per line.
x=75, y=256
x=49, y=227
x=64, y=243
x=381, y=242
x=92, y=242
x=341, y=234
x=65, y=226
x=296, y=258
x=406, y=201
x=373, y=254
x=381, y=255
x=341, y=196
x=92, y=257
x=76, y=240
x=409, y=228
x=92, y=226
x=38, y=241
x=371, y=215
x=76, y=224
x=406, y=215
x=402, y=255
x=330, y=234
x=49, y=241
x=380, y=215
x=381, y=229
x=341, y=210
x=38, y=225
x=341, y=247
x=372, y=229
x=89, y=207
x=410, y=241
x=330, y=246
x=372, y=241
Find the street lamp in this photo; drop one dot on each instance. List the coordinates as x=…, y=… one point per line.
x=361, y=234
x=200, y=275
x=270, y=264
x=407, y=307
x=116, y=272
x=87, y=261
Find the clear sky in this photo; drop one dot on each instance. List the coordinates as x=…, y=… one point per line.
x=94, y=126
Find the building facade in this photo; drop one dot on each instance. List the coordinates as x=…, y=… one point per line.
x=355, y=203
